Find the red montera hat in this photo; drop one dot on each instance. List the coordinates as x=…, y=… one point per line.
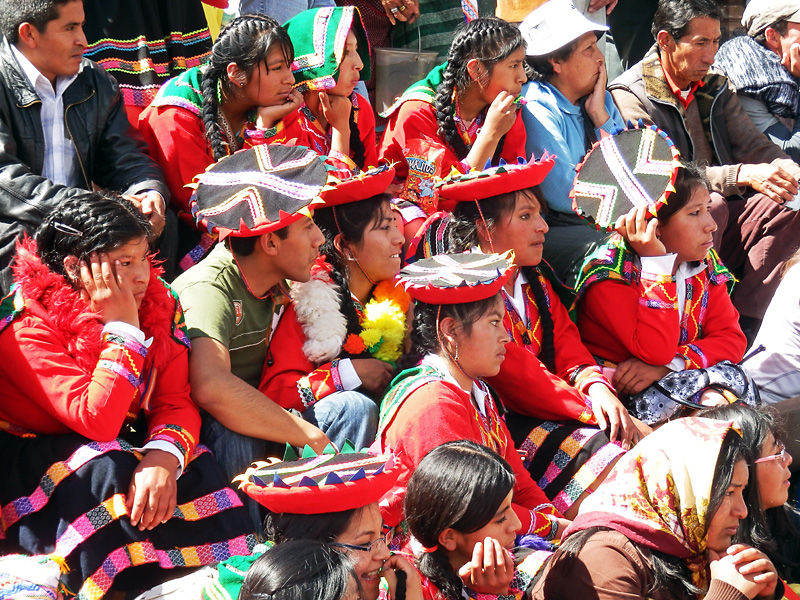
x=330, y=482
x=492, y=181
x=368, y=183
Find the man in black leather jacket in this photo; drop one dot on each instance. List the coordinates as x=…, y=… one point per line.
x=99, y=145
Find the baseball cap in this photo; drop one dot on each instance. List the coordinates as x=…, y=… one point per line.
x=760, y=14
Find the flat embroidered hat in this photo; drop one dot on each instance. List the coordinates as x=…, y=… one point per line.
x=457, y=278
x=492, y=181
x=635, y=167
x=366, y=184
x=258, y=190
x=314, y=484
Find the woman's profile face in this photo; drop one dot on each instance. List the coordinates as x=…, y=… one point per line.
x=725, y=521
x=381, y=247
x=483, y=349
x=521, y=231
x=507, y=75
x=349, y=68
x=773, y=475
x=364, y=528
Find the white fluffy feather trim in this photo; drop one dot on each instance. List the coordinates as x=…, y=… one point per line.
x=316, y=303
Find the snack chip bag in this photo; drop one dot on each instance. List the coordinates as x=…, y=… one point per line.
x=424, y=159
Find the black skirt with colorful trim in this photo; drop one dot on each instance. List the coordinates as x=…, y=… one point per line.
x=66, y=496
x=564, y=458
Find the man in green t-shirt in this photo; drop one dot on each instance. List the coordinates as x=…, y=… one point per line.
x=258, y=203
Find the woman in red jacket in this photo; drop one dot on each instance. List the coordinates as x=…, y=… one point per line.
x=97, y=429
x=653, y=307
x=458, y=331
x=565, y=414
x=464, y=113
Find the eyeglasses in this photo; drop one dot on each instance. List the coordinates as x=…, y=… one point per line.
x=779, y=456
x=364, y=548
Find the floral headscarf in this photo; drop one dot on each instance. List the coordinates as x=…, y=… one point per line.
x=319, y=37
x=658, y=493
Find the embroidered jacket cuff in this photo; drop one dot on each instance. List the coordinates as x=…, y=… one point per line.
x=347, y=374
x=128, y=331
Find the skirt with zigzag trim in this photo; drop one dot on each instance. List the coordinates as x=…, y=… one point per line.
x=66, y=496
x=564, y=458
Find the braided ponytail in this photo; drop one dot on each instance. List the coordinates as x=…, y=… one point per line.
x=245, y=41
x=489, y=40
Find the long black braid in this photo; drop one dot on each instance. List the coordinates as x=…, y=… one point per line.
x=489, y=40
x=245, y=41
x=357, y=150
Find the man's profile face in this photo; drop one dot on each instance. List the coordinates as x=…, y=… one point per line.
x=792, y=37
x=59, y=46
x=689, y=58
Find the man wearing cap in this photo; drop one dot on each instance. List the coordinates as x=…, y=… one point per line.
x=763, y=66
x=567, y=110
x=752, y=178
x=257, y=200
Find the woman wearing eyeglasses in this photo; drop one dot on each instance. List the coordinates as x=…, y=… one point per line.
x=332, y=498
x=771, y=524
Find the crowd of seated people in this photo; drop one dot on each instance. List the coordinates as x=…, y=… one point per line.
x=501, y=345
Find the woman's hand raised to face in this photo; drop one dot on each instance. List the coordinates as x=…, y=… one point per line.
x=747, y=569
x=106, y=293
x=491, y=569
x=269, y=116
x=640, y=233
x=501, y=115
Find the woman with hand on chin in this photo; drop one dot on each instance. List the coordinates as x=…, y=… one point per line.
x=331, y=57
x=771, y=525
x=661, y=526
x=204, y=113
x=97, y=428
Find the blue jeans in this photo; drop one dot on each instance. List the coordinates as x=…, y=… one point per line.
x=346, y=416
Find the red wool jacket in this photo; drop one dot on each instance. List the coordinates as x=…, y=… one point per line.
x=60, y=376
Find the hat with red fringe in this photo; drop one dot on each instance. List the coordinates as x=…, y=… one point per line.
x=634, y=167
x=457, y=278
x=366, y=184
x=314, y=484
x=492, y=181
x=258, y=190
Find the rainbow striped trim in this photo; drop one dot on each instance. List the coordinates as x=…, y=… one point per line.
x=139, y=553
x=26, y=505
x=586, y=476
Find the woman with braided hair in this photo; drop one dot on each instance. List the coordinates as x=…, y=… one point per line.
x=199, y=116
x=464, y=113
x=98, y=432
x=332, y=56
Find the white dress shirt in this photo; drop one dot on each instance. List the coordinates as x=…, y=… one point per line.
x=59, y=151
